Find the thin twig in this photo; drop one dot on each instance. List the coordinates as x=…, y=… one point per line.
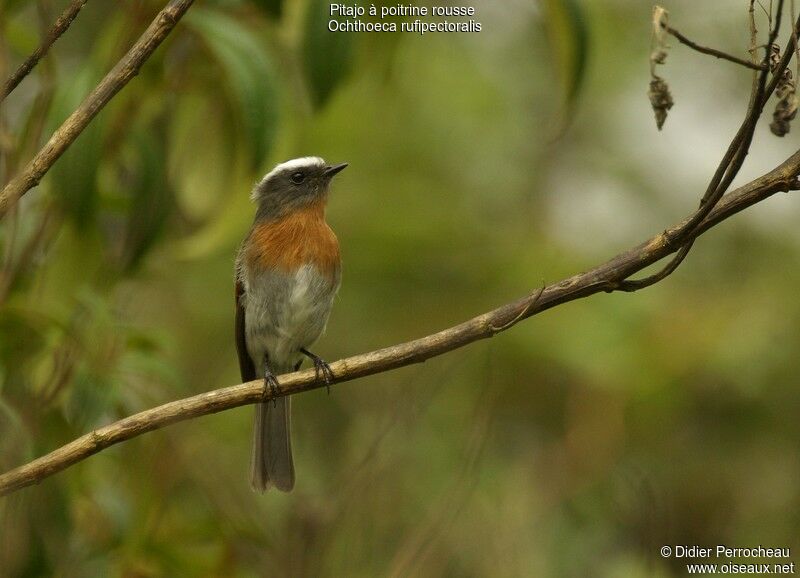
x=532, y=301
x=120, y=75
x=601, y=278
x=730, y=164
x=631, y=285
x=751, y=17
x=767, y=13
x=60, y=26
x=711, y=51
x=737, y=151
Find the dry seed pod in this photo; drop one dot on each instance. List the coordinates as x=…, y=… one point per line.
x=785, y=111
x=659, y=20
x=660, y=99
x=786, y=108
x=658, y=56
x=774, y=56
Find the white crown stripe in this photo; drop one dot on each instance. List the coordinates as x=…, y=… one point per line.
x=293, y=165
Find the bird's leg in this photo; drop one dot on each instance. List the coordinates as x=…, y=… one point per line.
x=270, y=383
x=320, y=367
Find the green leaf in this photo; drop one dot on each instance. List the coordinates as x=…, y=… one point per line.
x=200, y=156
x=73, y=179
x=90, y=397
x=225, y=4
x=20, y=39
x=272, y=7
x=568, y=31
x=327, y=55
x=151, y=197
x=22, y=336
x=150, y=366
x=15, y=438
x=8, y=7
x=248, y=72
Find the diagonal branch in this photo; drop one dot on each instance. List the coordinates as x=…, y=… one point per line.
x=120, y=75
x=604, y=277
x=67, y=16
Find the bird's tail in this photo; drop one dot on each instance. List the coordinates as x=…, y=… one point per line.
x=271, y=463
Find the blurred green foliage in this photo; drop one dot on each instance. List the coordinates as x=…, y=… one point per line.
x=576, y=444
x=327, y=57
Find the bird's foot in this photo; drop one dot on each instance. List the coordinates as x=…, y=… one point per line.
x=270, y=383
x=321, y=367
x=271, y=388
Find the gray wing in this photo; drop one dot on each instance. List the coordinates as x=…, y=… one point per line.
x=246, y=367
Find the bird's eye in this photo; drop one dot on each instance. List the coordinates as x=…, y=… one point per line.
x=297, y=177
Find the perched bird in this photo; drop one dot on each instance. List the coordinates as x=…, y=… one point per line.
x=288, y=271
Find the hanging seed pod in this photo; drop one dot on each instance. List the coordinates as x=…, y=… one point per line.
x=786, y=108
x=774, y=56
x=660, y=99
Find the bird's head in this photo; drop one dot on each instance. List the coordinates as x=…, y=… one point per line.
x=294, y=184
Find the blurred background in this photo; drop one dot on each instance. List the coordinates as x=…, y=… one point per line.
x=481, y=166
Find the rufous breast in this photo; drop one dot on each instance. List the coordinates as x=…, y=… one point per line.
x=299, y=238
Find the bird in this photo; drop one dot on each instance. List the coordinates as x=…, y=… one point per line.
x=287, y=272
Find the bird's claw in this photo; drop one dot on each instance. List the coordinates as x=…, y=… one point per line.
x=270, y=388
x=322, y=367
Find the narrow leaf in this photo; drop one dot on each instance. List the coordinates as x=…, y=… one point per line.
x=327, y=55
x=568, y=32
x=248, y=76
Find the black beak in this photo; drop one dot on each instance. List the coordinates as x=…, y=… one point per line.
x=332, y=170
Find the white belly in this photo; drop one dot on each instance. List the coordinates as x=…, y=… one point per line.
x=284, y=313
